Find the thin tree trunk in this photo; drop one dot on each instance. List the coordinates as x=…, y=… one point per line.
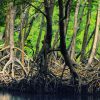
x=86, y=43
x=12, y=60
x=67, y=15
x=68, y=61
x=6, y=38
x=78, y=26
x=86, y=32
x=48, y=10
x=72, y=49
x=49, y=5
x=30, y=26
x=56, y=39
x=34, y=17
x=23, y=18
x=22, y=36
x=24, y=22
x=11, y=32
x=95, y=38
x=39, y=36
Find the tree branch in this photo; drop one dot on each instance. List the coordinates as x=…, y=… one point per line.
x=35, y=8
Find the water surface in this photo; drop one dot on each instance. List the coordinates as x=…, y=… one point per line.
x=26, y=96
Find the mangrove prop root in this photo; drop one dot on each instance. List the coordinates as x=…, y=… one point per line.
x=5, y=57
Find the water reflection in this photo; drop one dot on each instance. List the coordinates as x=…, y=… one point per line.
x=19, y=96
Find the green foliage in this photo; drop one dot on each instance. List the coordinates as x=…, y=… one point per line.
x=30, y=43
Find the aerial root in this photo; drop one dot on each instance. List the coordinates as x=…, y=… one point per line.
x=5, y=57
x=19, y=62
x=7, y=64
x=4, y=48
x=12, y=63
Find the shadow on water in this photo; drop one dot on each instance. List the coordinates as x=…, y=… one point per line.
x=26, y=96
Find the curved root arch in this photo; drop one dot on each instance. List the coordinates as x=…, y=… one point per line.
x=14, y=65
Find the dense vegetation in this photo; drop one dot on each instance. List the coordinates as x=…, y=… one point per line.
x=50, y=44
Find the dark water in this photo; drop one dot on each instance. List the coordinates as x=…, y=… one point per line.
x=20, y=96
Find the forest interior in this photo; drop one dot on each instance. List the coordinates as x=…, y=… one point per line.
x=50, y=46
